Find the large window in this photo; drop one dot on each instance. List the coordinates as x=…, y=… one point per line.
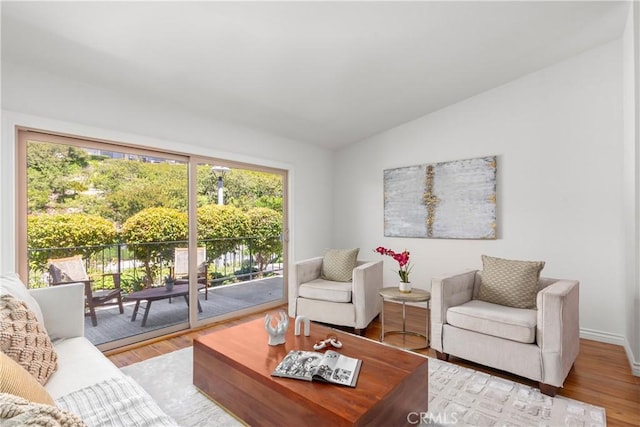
x=182, y=240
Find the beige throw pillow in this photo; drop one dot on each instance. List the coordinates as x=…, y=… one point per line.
x=509, y=282
x=338, y=264
x=24, y=340
x=14, y=379
x=10, y=284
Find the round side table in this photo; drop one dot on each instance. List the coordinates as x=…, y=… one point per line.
x=416, y=295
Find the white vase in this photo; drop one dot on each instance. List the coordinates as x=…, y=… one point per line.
x=405, y=287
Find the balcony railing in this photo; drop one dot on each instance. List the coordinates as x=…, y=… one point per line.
x=146, y=264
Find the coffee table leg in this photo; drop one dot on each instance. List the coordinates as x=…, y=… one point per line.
x=146, y=313
x=135, y=311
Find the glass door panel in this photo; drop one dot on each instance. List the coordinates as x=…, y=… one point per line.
x=240, y=219
x=116, y=217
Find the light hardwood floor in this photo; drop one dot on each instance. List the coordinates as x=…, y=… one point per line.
x=601, y=375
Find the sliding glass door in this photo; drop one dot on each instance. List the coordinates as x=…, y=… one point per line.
x=179, y=241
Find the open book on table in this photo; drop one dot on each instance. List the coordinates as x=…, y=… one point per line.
x=329, y=366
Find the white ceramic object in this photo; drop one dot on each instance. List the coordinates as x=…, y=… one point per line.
x=278, y=331
x=307, y=325
x=405, y=287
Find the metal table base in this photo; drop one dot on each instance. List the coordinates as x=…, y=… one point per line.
x=414, y=296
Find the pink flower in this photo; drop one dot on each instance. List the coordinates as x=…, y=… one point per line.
x=401, y=258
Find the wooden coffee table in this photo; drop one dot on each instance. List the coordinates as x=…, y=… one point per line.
x=233, y=367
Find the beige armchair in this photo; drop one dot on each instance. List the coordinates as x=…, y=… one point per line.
x=353, y=304
x=540, y=344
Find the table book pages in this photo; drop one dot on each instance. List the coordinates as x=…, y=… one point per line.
x=330, y=366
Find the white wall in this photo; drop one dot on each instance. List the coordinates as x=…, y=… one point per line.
x=558, y=137
x=631, y=102
x=44, y=101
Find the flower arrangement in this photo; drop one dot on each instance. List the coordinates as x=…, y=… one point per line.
x=402, y=259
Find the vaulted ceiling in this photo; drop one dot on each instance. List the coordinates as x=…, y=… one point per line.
x=327, y=73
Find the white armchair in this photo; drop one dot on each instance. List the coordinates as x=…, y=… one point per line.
x=540, y=344
x=353, y=304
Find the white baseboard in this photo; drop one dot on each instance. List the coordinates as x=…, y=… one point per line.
x=635, y=366
x=590, y=334
x=608, y=338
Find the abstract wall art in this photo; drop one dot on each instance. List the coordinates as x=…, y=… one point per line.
x=449, y=200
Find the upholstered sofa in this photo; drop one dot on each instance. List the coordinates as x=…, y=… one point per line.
x=353, y=303
x=540, y=344
x=85, y=382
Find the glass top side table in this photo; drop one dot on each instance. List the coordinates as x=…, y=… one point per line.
x=416, y=295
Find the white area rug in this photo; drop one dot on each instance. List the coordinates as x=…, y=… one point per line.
x=457, y=396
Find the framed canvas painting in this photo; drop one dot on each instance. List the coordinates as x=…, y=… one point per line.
x=448, y=200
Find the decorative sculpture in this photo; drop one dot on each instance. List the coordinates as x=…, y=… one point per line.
x=307, y=325
x=331, y=340
x=277, y=333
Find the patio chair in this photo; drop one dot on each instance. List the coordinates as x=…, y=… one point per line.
x=72, y=270
x=181, y=267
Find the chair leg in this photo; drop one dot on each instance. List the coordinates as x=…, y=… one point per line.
x=549, y=390
x=92, y=313
x=358, y=331
x=120, y=304
x=442, y=356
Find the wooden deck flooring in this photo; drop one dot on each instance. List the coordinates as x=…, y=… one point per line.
x=601, y=375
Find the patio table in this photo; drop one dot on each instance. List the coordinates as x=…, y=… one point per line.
x=157, y=294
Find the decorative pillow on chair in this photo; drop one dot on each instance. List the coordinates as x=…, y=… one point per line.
x=509, y=282
x=338, y=264
x=24, y=340
x=59, y=275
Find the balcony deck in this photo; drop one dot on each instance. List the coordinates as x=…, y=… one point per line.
x=222, y=300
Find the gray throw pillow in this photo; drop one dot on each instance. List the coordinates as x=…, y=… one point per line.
x=338, y=264
x=510, y=282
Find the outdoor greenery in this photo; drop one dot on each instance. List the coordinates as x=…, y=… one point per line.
x=243, y=189
x=221, y=222
x=127, y=187
x=67, y=230
x=66, y=179
x=80, y=200
x=266, y=226
x=154, y=225
x=55, y=173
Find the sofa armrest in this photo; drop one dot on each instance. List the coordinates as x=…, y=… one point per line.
x=448, y=291
x=366, y=285
x=62, y=308
x=302, y=272
x=558, y=329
